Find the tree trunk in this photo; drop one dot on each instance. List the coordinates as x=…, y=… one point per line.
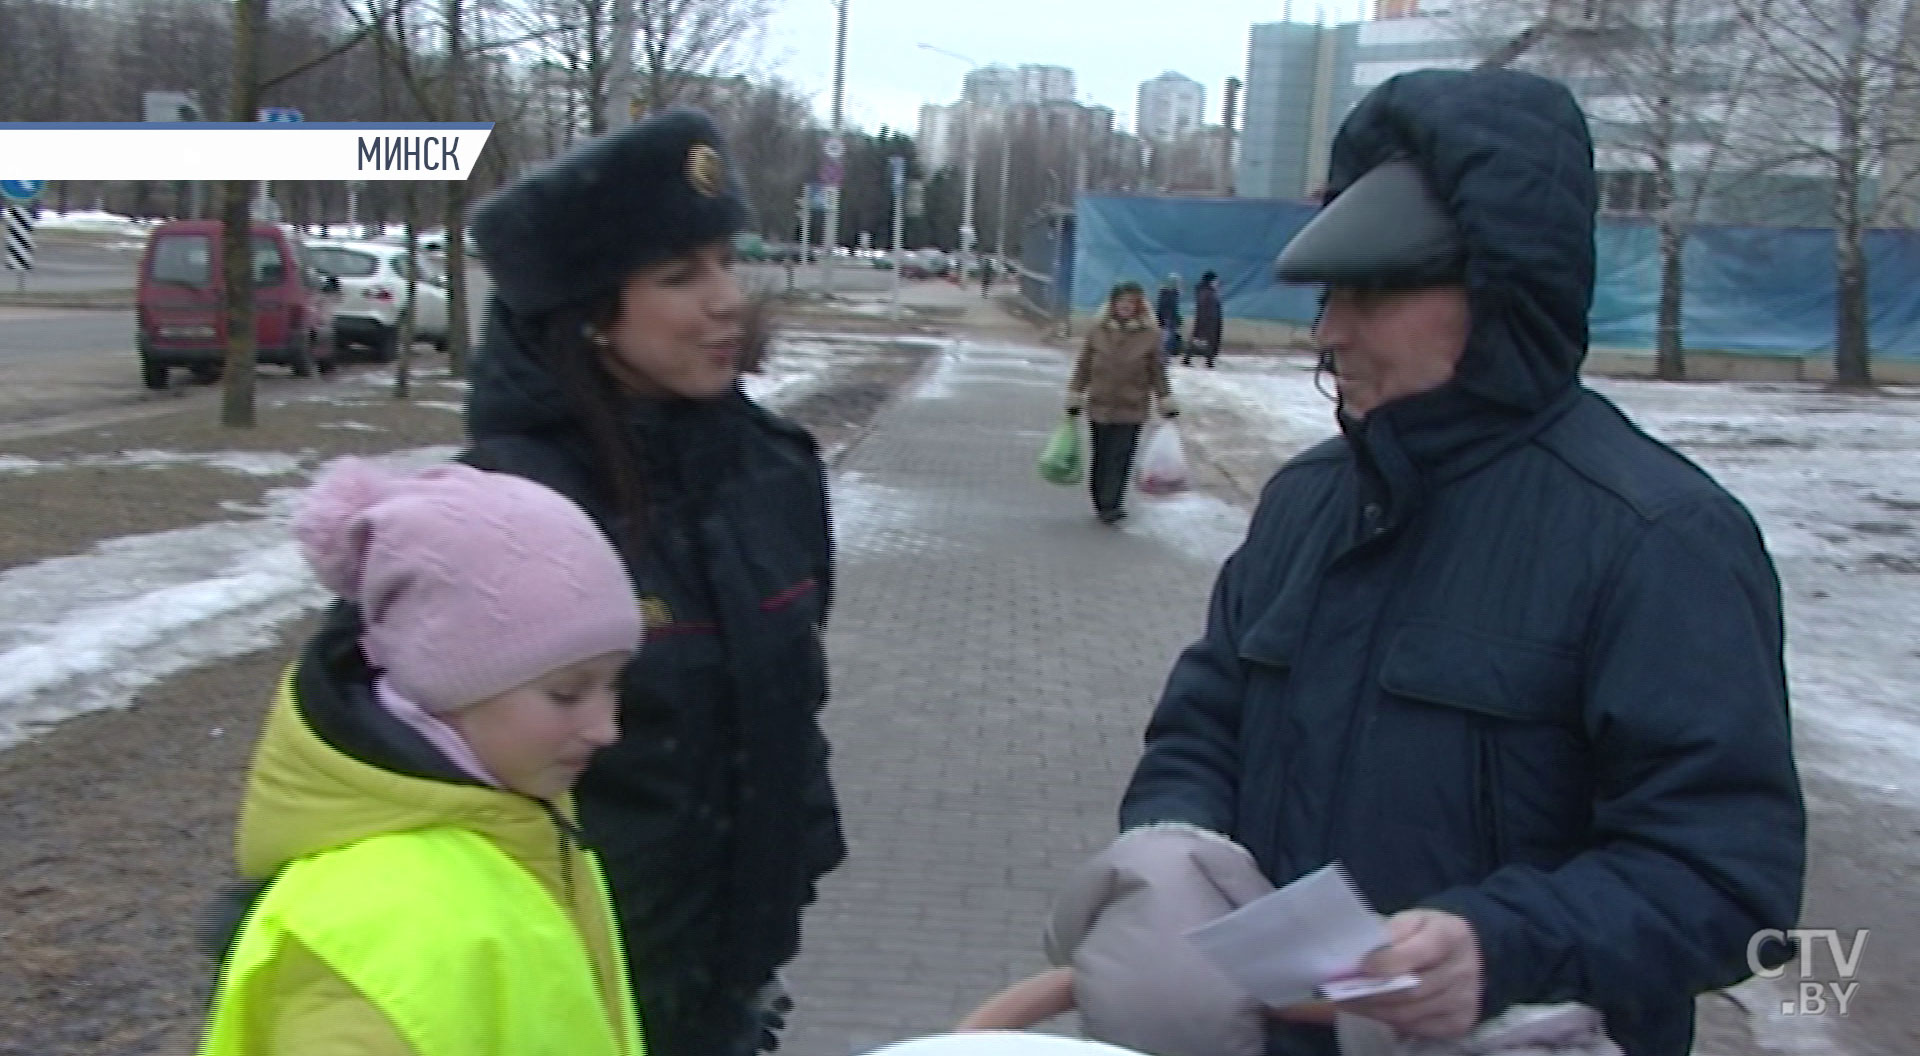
x=1851, y=354
x=1670, y=349
x=455, y=216
x=1669, y=345
x=459, y=343
x=1852, y=366
x=237, y=405
x=403, y=343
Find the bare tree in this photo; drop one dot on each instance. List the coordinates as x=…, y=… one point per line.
x=680, y=43
x=1667, y=81
x=1835, y=75
x=775, y=141
x=577, y=55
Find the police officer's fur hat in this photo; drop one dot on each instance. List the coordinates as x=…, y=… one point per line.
x=580, y=225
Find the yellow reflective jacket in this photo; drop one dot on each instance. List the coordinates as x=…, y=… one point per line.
x=412, y=917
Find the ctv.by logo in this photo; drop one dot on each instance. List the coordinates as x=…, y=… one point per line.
x=1814, y=997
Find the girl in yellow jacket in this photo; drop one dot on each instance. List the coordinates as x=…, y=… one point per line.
x=419, y=886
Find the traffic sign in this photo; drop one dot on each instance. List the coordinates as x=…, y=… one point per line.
x=21, y=190
x=281, y=115
x=897, y=170
x=835, y=147
x=832, y=172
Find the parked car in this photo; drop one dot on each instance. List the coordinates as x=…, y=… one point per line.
x=178, y=320
x=373, y=293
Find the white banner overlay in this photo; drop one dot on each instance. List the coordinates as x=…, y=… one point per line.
x=214, y=151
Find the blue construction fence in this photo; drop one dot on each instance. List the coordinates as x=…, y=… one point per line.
x=1047, y=260
x=1753, y=290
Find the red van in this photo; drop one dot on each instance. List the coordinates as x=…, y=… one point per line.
x=178, y=320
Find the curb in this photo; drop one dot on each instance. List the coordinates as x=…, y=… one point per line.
x=94, y=299
x=839, y=455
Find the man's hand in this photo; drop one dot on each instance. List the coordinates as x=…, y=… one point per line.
x=1442, y=950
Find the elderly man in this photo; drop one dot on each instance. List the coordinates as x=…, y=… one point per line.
x=1514, y=663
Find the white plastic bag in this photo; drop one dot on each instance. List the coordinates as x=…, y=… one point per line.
x=1163, y=464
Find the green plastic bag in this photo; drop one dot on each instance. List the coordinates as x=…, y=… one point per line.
x=1064, y=459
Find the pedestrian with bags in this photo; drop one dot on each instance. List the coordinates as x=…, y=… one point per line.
x=1207, y=322
x=610, y=371
x=415, y=884
x=1119, y=376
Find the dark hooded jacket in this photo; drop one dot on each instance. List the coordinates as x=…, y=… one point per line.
x=1495, y=649
x=713, y=814
x=1207, y=322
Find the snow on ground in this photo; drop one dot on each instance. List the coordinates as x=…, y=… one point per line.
x=94, y=222
x=89, y=631
x=244, y=463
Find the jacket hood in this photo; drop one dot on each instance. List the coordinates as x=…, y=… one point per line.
x=329, y=772
x=1510, y=156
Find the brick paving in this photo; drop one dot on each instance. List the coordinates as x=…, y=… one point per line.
x=996, y=653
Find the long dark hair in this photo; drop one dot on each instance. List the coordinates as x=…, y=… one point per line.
x=565, y=346
x=577, y=364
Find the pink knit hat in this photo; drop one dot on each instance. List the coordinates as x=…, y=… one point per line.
x=469, y=583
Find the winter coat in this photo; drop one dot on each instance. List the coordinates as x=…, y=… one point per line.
x=1495, y=649
x=1207, y=323
x=1166, y=308
x=1119, y=373
x=713, y=813
x=333, y=768
x=1121, y=924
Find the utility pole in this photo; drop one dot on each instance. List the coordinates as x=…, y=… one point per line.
x=897, y=170
x=1006, y=161
x=966, y=206
x=839, y=96
x=970, y=108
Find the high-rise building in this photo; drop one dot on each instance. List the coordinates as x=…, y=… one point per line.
x=992, y=86
x=1171, y=105
x=1303, y=79
x=939, y=143
x=1040, y=85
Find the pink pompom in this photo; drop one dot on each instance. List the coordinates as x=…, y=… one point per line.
x=332, y=526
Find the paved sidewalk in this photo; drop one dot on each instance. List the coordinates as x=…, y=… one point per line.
x=996, y=653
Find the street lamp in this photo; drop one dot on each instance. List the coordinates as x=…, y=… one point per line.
x=967, y=205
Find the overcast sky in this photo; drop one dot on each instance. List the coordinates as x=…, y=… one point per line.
x=1111, y=45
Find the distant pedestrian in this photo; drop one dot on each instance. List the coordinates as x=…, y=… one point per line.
x=1119, y=373
x=1207, y=323
x=986, y=276
x=1166, y=311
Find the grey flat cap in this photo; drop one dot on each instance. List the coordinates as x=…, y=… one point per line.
x=1387, y=230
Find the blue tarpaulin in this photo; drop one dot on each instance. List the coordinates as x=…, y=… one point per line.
x=1754, y=290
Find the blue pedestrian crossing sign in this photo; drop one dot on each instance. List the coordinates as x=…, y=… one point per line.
x=281, y=115
x=21, y=190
